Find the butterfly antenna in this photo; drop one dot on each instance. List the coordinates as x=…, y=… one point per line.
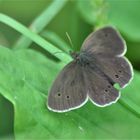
x=70, y=41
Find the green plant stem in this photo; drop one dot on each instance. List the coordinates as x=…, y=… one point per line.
x=34, y=37
x=41, y=22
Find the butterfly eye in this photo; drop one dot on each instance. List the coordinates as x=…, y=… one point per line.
x=59, y=94
x=117, y=76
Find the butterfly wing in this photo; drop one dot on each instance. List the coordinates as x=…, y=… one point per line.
x=106, y=48
x=100, y=88
x=118, y=69
x=106, y=41
x=68, y=90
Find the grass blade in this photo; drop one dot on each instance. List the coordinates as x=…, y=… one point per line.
x=56, y=40
x=34, y=37
x=41, y=21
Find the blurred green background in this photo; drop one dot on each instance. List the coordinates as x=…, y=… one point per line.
x=78, y=18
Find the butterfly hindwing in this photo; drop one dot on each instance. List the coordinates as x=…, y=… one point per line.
x=100, y=88
x=68, y=90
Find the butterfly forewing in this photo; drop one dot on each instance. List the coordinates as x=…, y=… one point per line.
x=116, y=68
x=106, y=41
x=68, y=91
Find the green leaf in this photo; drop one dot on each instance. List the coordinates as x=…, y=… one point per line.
x=133, y=54
x=125, y=15
x=130, y=100
x=26, y=76
x=23, y=75
x=122, y=14
x=93, y=11
x=6, y=118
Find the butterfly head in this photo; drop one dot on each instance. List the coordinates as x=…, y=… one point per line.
x=80, y=58
x=74, y=55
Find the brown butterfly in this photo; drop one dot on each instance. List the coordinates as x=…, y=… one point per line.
x=92, y=73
